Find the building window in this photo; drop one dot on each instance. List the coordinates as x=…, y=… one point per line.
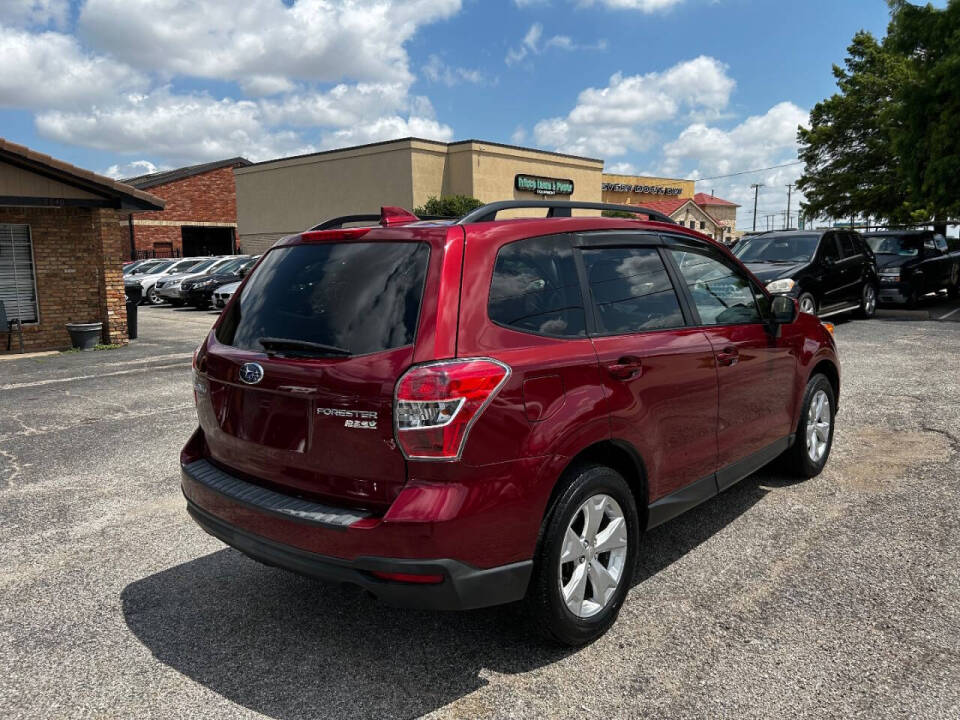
x=18, y=288
x=693, y=225
x=703, y=225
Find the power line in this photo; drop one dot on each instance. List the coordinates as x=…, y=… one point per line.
x=747, y=172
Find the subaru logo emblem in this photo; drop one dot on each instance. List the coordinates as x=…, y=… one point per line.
x=251, y=373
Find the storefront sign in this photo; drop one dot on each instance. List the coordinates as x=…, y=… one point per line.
x=542, y=185
x=642, y=189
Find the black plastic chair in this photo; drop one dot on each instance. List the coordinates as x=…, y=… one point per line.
x=10, y=327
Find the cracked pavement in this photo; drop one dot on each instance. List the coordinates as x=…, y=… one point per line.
x=836, y=597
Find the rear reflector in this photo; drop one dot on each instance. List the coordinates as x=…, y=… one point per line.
x=408, y=577
x=437, y=403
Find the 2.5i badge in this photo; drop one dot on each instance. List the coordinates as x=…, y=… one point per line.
x=360, y=419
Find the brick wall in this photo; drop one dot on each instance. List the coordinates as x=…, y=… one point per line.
x=209, y=197
x=77, y=256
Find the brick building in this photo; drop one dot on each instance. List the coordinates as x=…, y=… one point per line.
x=63, y=237
x=709, y=214
x=200, y=217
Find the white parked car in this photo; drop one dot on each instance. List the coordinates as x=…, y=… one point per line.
x=169, y=289
x=149, y=280
x=222, y=295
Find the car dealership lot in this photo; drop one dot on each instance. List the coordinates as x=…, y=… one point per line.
x=838, y=596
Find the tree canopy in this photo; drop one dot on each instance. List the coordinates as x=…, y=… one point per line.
x=452, y=206
x=887, y=144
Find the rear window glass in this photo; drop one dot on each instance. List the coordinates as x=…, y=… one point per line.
x=361, y=297
x=535, y=288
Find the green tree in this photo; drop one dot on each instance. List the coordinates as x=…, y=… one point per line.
x=888, y=143
x=928, y=112
x=452, y=206
x=851, y=166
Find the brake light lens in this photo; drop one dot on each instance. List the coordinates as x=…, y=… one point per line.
x=436, y=404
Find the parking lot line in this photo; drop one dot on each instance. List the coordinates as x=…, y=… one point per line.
x=75, y=378
x=944, y=317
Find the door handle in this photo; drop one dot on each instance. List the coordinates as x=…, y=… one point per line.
x=626, y=368
x=728, y=356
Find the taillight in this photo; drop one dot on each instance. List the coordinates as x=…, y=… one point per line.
x=436, y=404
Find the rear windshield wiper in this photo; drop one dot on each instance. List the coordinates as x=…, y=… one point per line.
x=274, y=344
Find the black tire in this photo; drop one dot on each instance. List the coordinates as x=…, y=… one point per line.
x=867, y=309
x=807, y=297
x=797, y=460
x=914, y=298
x=153, y=298
x=545, y=605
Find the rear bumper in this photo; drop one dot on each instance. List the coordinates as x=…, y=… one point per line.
x=463, y=586
x=893, y=291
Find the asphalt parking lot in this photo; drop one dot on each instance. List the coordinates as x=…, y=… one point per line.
x=836, y=597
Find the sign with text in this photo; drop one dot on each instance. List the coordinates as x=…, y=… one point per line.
x=642, y=189
x=543, y=185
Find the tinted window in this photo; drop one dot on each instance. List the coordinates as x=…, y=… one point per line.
x=535, y=288
x=362, y=297
x=631, y=290
x=941, y=242
x=828, y=247
x=905, y=245
x=847, y=246
x=721, y=294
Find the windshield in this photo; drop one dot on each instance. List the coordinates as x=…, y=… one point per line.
x=181, y=266
x=232, y=266
x=352, y=298
x=777, y=248
x=159, y=268
x=203, y=266
x=905, y=245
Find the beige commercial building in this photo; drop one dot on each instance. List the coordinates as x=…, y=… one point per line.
x=288, y=195
x=285, y=196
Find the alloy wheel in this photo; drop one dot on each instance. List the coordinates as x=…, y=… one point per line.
x=593, y=556
x=807, y=305
x=818, y=426
x=869, y=299
x=153, y=298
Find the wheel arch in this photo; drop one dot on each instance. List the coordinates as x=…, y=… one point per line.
x=618, y=454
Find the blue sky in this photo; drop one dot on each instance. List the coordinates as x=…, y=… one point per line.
x=687, y=88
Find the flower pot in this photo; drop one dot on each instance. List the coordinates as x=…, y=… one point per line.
x=85, y=336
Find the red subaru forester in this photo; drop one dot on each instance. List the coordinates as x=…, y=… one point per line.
x=459, y=414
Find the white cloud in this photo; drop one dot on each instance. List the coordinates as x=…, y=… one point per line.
x=620, y=117
x=621, y=168
x=647, y=6
x=533, y=44
x=183, y=128
x=132, y=169
x=437, y=71
x=519, y=135
x=50, y=69
x=310, y=40
x=389, y=128
x=35, y=13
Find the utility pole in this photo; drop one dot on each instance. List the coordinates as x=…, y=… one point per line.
x=756, y=191
x=789, y=192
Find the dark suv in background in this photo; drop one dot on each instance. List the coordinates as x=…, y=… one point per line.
x=913, y=263
x=453, y=415
x=827, y=271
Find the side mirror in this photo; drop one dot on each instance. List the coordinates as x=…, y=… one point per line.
x=784, y=310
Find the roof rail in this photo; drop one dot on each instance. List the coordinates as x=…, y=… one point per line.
x=388, y=216
x=557, y=208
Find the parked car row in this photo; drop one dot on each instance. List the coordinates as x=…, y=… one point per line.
x=188, y=281
x=830, y=272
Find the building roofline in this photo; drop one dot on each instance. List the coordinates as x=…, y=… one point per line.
x=126, y=197
x=168, y=176
x=423, y=140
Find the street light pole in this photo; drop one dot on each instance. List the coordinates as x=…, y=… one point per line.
x=756, y=191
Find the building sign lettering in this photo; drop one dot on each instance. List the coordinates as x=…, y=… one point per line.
x=642, y=189
x=542, y=185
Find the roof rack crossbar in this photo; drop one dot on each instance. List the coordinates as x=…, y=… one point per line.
x=557, y=208
x=338, y=222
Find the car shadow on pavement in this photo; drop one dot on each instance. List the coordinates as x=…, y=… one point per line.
x=290, y=647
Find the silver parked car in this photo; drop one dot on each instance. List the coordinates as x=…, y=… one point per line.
x=222, y=295
x=169, y=288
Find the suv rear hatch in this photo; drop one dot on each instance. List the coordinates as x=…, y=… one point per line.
x=301, y=367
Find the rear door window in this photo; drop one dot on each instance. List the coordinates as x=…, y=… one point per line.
x=359, y=298
x=535, y=288
x=847, y=246
x=631, y=290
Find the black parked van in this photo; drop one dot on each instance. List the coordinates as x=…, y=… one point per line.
x=827, y=271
